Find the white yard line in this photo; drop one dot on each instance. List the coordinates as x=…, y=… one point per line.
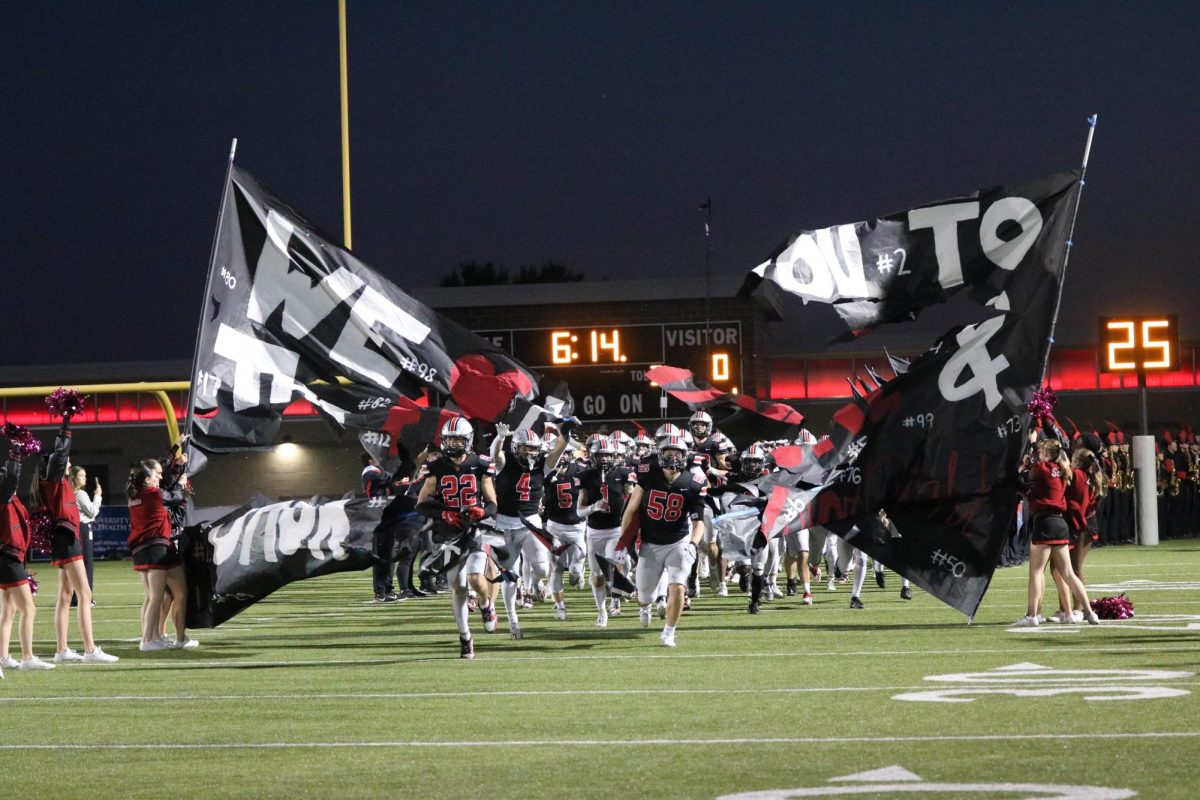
x=507, y=693
x=492, y=743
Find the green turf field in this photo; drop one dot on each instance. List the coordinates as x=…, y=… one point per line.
x=319, y=693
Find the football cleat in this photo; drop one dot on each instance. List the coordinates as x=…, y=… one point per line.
x=754, y=607
x=667, y=639
x=791, y=587
x=466, y=647
x=645, y=614
x=880, y=580
x=602, y=619
x=807, y=599
x=560, y=612
x=515, y=633
x=488, y=613
x=856, y=603
x=905, y=593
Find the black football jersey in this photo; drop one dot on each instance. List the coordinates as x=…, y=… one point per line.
x=460, y=486
x=519, y=487
x=562, y=495
x=609, y=485
x=668, y=506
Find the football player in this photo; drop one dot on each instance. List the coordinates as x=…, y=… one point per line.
x=520, y=485
x=566, y=526
x=603, y=489
x=666, y=506
x=458, y=493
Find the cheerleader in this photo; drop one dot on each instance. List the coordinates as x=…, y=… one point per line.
x=66, y=552
x=1087, y=489
x=155, y=556
x=14, y=543
x=1048, y=474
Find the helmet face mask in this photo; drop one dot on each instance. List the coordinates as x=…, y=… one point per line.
x=454, y=445
x=672, y=457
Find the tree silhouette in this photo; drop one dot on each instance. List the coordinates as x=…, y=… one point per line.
x=473, y=273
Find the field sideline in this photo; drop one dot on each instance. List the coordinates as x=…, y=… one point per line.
x=318, y=692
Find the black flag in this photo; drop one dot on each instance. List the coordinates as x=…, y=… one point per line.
x=889, y=269
x=262, y=546
x=938, y=446
x=286, y=308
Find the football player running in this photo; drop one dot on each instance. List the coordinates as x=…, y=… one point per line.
x=667, y=507
x=458, y=493
x=566, y=526
x=603, y=489
x=520, y=485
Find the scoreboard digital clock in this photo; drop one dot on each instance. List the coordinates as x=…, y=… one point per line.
x=605, y=365
x=1139, y=344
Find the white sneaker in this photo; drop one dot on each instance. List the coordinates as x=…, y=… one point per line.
x=98, y=656
x=153, y=644
x=66, y=656
x=1092, y=617
x=831, y=586
x=187, y=644
x=602, y=619
x=560, y=613
x=1026, y=622
x=1077, y=616
x=33, y=662
x=723, y=590
x=645, y=615
x=515, y=633
x=1061, y=618
x=667, y=639
x=661, y=609
x=616, y=607
x=8, y=662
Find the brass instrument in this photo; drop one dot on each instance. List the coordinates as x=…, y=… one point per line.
x=1118, y=480
x=1173, y=483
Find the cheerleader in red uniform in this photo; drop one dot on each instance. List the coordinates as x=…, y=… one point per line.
x=1048, y=474
x=14, y=543
x=155, y=555
x=57, y=497
x=1088, y=485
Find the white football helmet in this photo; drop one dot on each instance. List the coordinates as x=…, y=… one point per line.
x=700, y=424
x=672, y=452
x=525, y=445
x=457, y=436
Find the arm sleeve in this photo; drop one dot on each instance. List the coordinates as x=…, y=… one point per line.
x=10, y=476
x=87, y=506
x=57, y=467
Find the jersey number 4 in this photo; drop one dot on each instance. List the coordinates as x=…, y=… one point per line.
x=664, y=506
x=458, y=491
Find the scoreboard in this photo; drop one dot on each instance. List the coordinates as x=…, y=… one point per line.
x=605, y=365
x=1139, y=344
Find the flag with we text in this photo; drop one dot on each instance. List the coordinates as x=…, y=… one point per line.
x=286, y=309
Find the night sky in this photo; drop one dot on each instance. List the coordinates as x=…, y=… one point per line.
x=581, y=132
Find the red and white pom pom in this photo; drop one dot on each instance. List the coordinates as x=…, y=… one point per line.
x=66, y=402
x=1118, y=607
x=32, y=582
x=21, y=441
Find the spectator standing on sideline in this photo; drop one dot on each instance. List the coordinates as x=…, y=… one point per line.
x=89, y=509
